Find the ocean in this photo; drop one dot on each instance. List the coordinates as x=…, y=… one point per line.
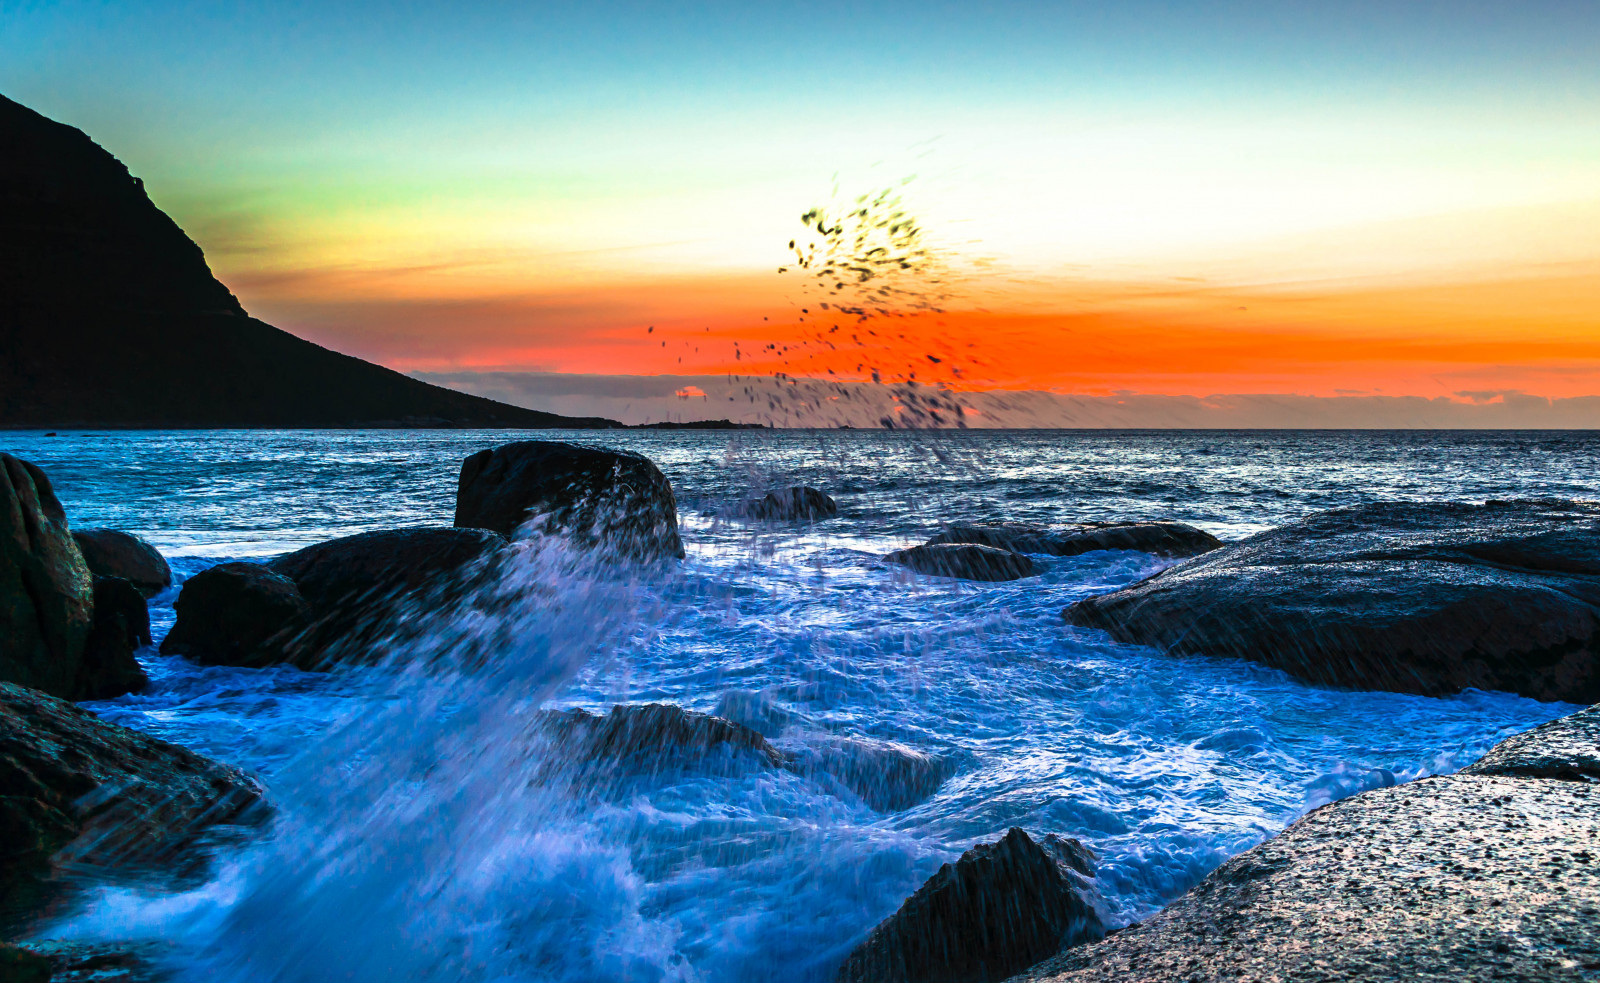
x=416, y=839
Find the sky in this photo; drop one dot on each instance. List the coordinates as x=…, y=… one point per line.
x=1321, y=199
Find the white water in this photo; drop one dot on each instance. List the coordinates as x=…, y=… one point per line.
x=420, y=837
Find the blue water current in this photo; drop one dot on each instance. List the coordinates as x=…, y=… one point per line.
x=414, y=840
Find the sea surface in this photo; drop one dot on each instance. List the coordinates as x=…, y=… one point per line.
x=418, y=836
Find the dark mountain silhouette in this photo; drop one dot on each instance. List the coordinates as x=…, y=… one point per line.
x=110, y=317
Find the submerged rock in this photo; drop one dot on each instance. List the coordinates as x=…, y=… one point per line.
x=76, y=789
x=636, y=735
x=1427, y=598
x=1470, y=877
x=997, y=910
x=227, y=613
x=46, y=591
x=112, y=553
x=1161, y=537
x=889, y=777
x=755, y=711
x=599, y=498
x=799, y=502
x=121, y=625
x=964, y=561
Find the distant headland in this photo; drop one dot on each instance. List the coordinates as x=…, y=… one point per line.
x=111, y=318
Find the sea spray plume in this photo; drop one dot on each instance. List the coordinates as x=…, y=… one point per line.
x=417, y=840
x=872, y=280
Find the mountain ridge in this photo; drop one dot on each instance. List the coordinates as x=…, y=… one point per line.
x=110, y=318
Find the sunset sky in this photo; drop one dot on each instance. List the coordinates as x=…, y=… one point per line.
x=1397, y=198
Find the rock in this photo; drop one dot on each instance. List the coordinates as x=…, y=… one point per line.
x=889, y=777
x=1161, y=537
x=18, y=965
x=111, y=553
x=75, y=789
x=997, y=910
x=227, y=613
x=121, y=625
x=1567, y=748
x=800, y=502
x=1427, y=598
x=355, y=570
x=635, y=735
x=965, y=561
x=359, y=587
x=69, y=961
x=1461, y=878
x=46, y=593
x=755, y=711
x=615, y=500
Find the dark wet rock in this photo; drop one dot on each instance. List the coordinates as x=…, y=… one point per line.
x=112, y=553
x=101, y=962
x=637, y=735
x=965, y=561
x=1461, y=878
x=887, y=776
x=997, y=910
x=18, y=965
x=1567, y=748
x=1427, y=598
x=1161, y=537
x=227, y=612
x=800, y=502
x=75, y=789
x=121, y=626
x=355, y=570
x=362, y=588
x=46, y=592
x=615, y=500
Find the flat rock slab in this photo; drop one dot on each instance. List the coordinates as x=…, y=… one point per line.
x=1454, y=879
x=1427, y=598
x=964, y=561
x=1568, y=748
x=1161, y=537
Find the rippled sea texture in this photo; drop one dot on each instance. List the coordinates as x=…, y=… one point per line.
x=413, y=841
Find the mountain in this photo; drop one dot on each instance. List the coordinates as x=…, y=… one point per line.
x=110, y=317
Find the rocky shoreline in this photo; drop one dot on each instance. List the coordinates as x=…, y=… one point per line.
x=1487, y=874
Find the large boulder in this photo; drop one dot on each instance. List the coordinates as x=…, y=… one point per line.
x=1162, y=537
x=226, y=614
x=964, y=561
x=997, y=910
x=1471, y=878
x=800, y=502
x=613, y=500
x=361, y=587
x=1427, y=598
x=121, y=626
x=113, y=553
x=46, y=591
x=326, y=603
x=75, y=789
